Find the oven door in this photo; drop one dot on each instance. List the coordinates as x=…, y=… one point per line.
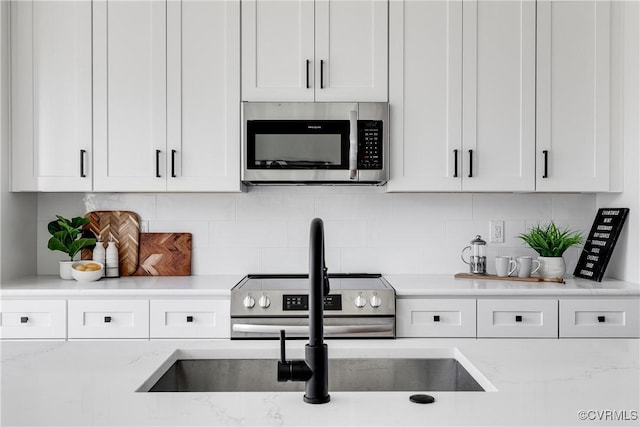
x=298, y=327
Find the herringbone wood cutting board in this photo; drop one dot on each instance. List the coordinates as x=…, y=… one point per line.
x=164, y=254
x=124, y=226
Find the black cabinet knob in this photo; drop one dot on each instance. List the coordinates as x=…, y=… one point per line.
x=518, y=318
x=189, y=319
x=601, y=319
x=107, y=319
x=436, y=318
x=24, y=319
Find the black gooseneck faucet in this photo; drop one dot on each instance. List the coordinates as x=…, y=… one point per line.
x=315, y=368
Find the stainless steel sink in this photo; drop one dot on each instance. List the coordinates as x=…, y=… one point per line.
x=358, y=374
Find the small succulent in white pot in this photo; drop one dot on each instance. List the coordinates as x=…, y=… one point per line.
x=551, y=242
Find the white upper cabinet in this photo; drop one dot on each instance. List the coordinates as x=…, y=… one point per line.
x=498, y=99
x=166, y=95
x=51, y=95
x=203, y=96
x=573, y=95
x=327, y=50
x=130, y=108
x=425, y=93
x=462, y=99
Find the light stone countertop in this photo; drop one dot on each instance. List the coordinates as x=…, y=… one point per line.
x=538, y=382
x=219, y=286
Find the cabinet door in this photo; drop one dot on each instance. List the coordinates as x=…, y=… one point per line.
x=573, y=95
x=277, y=50
x=203, y=96
x=436, y=318
x=425, y=93
x=499, y=48
x=51, y=95
x=129, y=42
x=34, y=319
x=184, y=318
x=524, y=318
x=104, y=319
x=351, y=39
x=594, y=318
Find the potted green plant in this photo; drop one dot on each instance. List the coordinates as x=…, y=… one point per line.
x=550, y=242
x=66, y=236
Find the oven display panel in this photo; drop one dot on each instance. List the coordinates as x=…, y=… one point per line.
x=301, y=302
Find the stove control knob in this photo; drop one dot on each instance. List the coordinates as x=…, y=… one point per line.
x=375, y=301
x=264, y=301
x=360, y=301
x=249, y=301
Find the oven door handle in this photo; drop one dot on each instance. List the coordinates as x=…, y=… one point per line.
x=353, y=145
x=302, y=329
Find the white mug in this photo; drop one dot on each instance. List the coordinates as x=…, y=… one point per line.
x=524, y=266
x=505, y=266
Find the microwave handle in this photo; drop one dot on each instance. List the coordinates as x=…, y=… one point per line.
x=353, y=145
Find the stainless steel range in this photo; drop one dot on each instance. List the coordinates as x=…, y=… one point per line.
x=358, y=306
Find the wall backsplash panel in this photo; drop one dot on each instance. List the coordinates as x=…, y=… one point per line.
x=367, y=230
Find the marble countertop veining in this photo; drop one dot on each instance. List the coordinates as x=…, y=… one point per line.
x=219, y=286
x=538, y=382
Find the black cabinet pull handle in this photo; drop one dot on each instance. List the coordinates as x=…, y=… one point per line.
x=173, y=163
x=83, y=153
x=470, y=163
x=545, y=153
x=322, y=74
x=436, y=318
x=158, y=164
x=308, y=63
x=455, y=163
x=601, y=319
x=189, y=319
x=518, y=318
x=24, y=319
x=107, y=319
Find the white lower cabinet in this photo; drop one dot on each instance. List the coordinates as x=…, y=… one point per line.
x=108, y=319
x=517, y=318
x=33, y=319
x=436, y=318
x=599, y=318
x=185, y=318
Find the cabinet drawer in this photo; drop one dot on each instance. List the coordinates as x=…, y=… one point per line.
x=108, y=319
x=208, y=318
x=599, y=318
x=436, y=318
x=517, y=318
x=36, y=319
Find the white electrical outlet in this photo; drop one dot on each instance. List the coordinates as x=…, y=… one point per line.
x=496, y=231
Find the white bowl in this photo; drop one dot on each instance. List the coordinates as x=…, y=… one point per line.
x=86, y=275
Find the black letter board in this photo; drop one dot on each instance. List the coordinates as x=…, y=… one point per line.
x=600, y=243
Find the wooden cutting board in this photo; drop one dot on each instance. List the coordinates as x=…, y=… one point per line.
x=509, y=278
x=124, y=227
x=164, y=254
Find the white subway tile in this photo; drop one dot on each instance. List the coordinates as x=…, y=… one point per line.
x=252, y=234
x=511, y=206
x=65, y=204
x=270, y=206
x=394, y=233
x=381, y=260
x=354, y=206
x=337, y=234
x=285, y=260
x=574, y=206
x=142, y=204
x=226, y=261
x=202, y=207
x=432, y=207
x=442, y=260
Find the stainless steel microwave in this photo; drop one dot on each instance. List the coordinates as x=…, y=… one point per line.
x=315, y=143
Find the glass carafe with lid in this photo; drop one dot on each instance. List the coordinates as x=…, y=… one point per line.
x=478, y=258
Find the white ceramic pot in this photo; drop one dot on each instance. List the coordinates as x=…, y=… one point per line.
x=551, y=267
x=66, y=270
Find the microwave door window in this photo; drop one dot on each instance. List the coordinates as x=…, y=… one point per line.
x=294, y=151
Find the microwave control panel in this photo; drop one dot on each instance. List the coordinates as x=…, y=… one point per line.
x=369, y=144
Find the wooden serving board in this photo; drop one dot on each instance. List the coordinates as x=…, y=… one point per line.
x=164, y=254
x=508, y=278
x=124, y=227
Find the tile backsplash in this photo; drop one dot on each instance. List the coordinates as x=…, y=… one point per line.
x=366, y=229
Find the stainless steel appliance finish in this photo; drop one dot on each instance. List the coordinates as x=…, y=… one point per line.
x=358, y=306
x=388, y=374
x=315, y=143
